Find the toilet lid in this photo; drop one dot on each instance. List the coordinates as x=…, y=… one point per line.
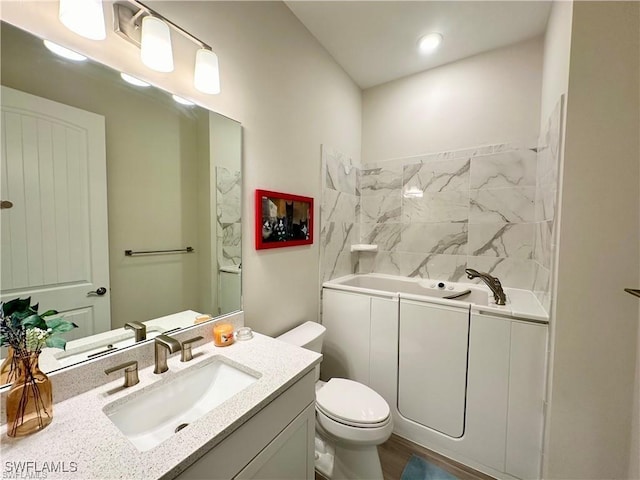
x=352, y=403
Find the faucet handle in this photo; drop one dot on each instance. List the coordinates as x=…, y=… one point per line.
x=130, y=372
x=186, y=354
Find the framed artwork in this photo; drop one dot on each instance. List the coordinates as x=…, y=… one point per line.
x=283, y=220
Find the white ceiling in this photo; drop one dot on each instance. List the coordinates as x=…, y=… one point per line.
x=376, y=41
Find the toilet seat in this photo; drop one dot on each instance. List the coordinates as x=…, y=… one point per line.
x=352, y=403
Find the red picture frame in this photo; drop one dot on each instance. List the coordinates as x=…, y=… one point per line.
x=282, y=220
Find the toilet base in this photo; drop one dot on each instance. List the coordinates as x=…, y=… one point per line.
x=346, y=462
x=324, y=455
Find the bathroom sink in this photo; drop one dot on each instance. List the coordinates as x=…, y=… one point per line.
x=163, y=409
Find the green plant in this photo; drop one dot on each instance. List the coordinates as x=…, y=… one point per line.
x=27, y=331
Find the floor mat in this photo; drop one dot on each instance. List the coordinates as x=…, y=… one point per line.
x=418, y=468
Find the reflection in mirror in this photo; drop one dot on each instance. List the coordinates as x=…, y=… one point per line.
x=94, y=166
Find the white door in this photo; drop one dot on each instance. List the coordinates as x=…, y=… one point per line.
x=54, y=230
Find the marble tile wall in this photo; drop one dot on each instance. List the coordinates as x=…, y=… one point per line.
x=432, y=216
x=228, y=229
x=339, y=214
x=491, y=208
x=547, y=178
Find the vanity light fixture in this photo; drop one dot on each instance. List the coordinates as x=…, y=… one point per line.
x=64, y=52
x=429, y=43
x=206, y=77
x=150, y=31
x=133, y=80
x=182, y=101
x=84, y=17
x=155, y=45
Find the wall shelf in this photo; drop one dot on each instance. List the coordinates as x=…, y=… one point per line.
x=364, y=247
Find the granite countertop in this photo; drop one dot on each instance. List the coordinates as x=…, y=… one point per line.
x=83, y=443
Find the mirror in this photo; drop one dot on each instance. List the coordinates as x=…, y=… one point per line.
x=94, y=167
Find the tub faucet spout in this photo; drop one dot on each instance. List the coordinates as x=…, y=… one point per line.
x=492, y=282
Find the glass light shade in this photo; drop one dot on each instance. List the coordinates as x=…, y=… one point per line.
x=64, y=52
x=84, y=17
x=429, y=43
x=206, y=77
x=155, y=45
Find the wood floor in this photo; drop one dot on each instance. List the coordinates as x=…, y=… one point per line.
x=395, y=453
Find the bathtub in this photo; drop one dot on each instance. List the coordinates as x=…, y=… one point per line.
x=521, y=304
x=379, y=284
x=463, y=376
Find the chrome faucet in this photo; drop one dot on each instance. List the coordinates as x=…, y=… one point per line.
x=164, y=345
x=492, y=282
x=139, y=329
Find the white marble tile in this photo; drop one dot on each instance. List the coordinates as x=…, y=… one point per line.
x=434, y=266
x=339, y=266
x=542, y=287
x=515, y=168
x=381, y=208
x=340, y=171
x=436, y=208
x=336, y=239
x=512, y=272
x=430, y=238
x=338, y=207
x=514, y=240
x=381, y=180
x=543, y=247
x=508, y=205
x=437, y=176
x=385, y=235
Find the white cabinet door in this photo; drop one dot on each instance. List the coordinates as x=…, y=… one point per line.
x=526, y=399
x=432, y=373
x=487, y=391
x=346, y=347
x=290, y=455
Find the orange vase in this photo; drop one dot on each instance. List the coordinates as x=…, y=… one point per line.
x=8, y=369
x=30, y=399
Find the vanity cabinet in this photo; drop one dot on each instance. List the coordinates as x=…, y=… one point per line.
x=276, y=443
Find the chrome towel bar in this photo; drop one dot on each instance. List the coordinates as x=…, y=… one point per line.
x=131, y=253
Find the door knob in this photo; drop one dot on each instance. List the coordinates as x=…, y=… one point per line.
x=100, y=291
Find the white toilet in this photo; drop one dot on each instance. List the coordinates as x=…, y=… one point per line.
x=351, y=419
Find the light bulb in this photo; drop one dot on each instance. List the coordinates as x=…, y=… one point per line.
x=133, y=80
x=155, y=45
x=182, y=101
x=64, y=52
x=429, y=43
x=84, y=17
x=206, y=77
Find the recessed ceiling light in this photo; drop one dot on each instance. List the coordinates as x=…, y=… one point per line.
x=133, y=80
x=64, y=52
x=182, y=101
x=429, y=43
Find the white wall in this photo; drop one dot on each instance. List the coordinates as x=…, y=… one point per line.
x=596, y=323
x=555, y=83
x=489, y=98
x=290, y=96
x=555, y=62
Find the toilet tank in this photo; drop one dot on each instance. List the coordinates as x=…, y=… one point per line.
x=309, y=335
